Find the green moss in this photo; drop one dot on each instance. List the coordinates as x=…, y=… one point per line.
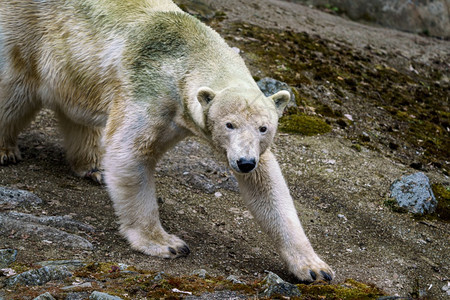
x=392, y=204
x=20, y=267
x=139, y=284
x=304, y=125
x=356, y=147
x=442, y=195
x=350, y=289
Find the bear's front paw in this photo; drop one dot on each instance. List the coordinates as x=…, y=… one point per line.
x=308, y=268
x=9, y=155
x=161, y=245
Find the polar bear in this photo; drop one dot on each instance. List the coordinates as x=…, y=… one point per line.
x=128, y=80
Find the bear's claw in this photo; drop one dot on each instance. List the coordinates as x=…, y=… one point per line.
x=326, y=276
x=180, y=251
x=9, y=156
x=307, y=268
x=313, y=274
x=157, y=243
x=184, y=251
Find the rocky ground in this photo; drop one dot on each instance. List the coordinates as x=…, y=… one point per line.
x=383, y=98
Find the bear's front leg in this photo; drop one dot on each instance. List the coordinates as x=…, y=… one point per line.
x=129, y=177
x=267, y=197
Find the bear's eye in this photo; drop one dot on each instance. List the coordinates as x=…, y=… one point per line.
x=230, y=126
x=263, y=129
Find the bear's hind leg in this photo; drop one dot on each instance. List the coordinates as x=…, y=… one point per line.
x=17, y=110
x=83, y=147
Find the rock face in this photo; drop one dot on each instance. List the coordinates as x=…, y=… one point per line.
x=25, y=224
x=50, y=229
x=431, y=17
x=414, y=193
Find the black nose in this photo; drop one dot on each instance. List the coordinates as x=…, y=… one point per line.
x=246, y=165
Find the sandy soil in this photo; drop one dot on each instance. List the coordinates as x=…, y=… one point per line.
x=338, y=191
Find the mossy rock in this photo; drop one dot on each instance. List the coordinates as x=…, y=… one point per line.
x=304, y=125
x=350, y=289
x=442, y=195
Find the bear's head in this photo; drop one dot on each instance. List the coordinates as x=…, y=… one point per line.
x=241, y=124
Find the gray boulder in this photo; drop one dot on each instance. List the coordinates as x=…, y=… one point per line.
x=414, y=193
x=39, y=276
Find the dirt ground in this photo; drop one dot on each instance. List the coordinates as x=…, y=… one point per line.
x=338, y=191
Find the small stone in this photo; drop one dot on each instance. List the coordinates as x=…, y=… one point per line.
x=446, y=288
x=272, y=278
x=7, y=257
x=102, y=296
x=349, y=117
x=329, y=161
x=74, y=286
x=414, y=193
x=200, y=273
x=122, y=266
x=341, y=216
x=218, y=194
x=8, y=272
x=39, y=276
x=234, y=279
x=273, y=284
x=158, y=276
x=45, y=296
x=175, y=290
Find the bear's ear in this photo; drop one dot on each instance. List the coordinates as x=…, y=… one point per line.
x=281, y=99
x=205, y=95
